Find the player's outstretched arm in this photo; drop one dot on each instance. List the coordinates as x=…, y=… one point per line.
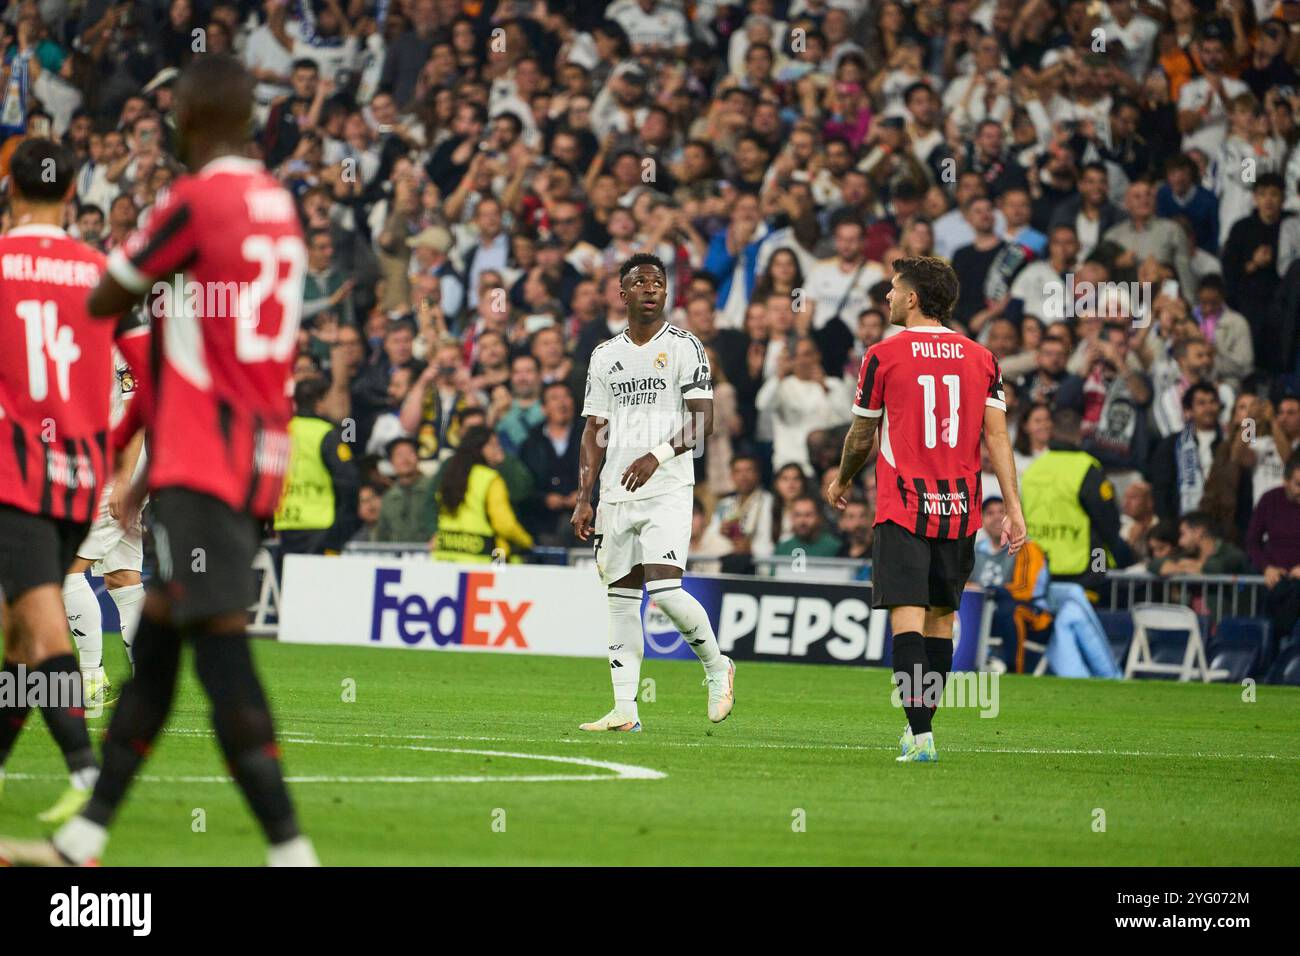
x=1004, y=466
x=591, y=458
x=111, y=298
x=697, y=427
x=857, y=448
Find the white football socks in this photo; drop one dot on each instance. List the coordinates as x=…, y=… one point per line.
x=626, y=647
x=295, y=852
x=689, y=617
x=80, y=840
x=84, y=779
x=130, y=604
x=84, y=619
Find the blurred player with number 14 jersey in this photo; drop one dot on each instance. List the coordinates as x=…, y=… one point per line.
x=228, y=239
x=55, y=375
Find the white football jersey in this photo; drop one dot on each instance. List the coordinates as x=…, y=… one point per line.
x=642, y=391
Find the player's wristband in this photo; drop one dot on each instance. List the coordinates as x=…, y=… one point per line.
x=664, y=452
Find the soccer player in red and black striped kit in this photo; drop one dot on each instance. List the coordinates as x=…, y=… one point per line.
x=216, y=411
x=56, y=373
x=930, y=392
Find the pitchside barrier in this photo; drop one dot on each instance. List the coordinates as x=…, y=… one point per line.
x=393, y=595
x=396, y=597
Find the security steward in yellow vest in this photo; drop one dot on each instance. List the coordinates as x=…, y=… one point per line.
x=1070, y=508
x=476, y=523
x=318, y=509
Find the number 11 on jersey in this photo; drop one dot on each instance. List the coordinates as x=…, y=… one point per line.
x=930, y=397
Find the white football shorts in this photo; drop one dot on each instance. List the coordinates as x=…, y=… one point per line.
x=109, y=545
x=655, y=530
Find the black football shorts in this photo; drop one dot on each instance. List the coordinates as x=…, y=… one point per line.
x=908, y=570
x=203, y=554
x=35, y=550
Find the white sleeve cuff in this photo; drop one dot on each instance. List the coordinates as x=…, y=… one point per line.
x=121, y=269
x=868, y=412
x=996, y=403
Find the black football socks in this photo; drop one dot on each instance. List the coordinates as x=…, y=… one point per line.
x=242, y=720
x=12, y=716
x=139, y=716
x=910, y=668
x=938, y=650
x=68, y=723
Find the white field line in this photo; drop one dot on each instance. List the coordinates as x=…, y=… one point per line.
x=620, y=771
x=621, y=740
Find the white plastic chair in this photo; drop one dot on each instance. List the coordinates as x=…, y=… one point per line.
x=987, y=641
x=1166, y=617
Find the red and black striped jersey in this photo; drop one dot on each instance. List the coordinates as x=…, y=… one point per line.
x=56, y=374
x=223, y=257
x=929, y=386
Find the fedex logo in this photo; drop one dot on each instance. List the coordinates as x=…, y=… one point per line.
x=469, y=617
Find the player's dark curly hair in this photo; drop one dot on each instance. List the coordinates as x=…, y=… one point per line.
x=455, y=473
x=641, y=259
x=934, y=283
x=42, y=170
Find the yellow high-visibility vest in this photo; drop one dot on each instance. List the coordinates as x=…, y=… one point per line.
x=308, y=500
x=1049, y=494
x=467, y=535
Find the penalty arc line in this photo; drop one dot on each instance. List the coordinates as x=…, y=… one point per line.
x=620, y=771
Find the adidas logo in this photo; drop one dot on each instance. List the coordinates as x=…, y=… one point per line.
x=615, y=664
x=671, y=556
x=616, y=367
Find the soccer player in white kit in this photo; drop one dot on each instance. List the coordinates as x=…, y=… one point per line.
x=115, y=549
x=649, y=405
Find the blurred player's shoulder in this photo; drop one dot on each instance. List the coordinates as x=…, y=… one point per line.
x=237, y=183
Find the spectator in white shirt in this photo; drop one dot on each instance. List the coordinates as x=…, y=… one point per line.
x=745, y=517
x=1203, y=101
x=1136, y=32
x=268, y=54
x=802, y=399
x=653, y=28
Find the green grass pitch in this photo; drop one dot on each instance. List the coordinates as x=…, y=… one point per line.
x=802, y=773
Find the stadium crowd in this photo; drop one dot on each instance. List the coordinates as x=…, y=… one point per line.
x=1116, y=185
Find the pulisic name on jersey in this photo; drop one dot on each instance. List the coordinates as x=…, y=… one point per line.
x=21, y=267
x=938, y=350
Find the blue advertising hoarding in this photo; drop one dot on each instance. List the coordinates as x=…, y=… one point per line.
x=761, y=618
